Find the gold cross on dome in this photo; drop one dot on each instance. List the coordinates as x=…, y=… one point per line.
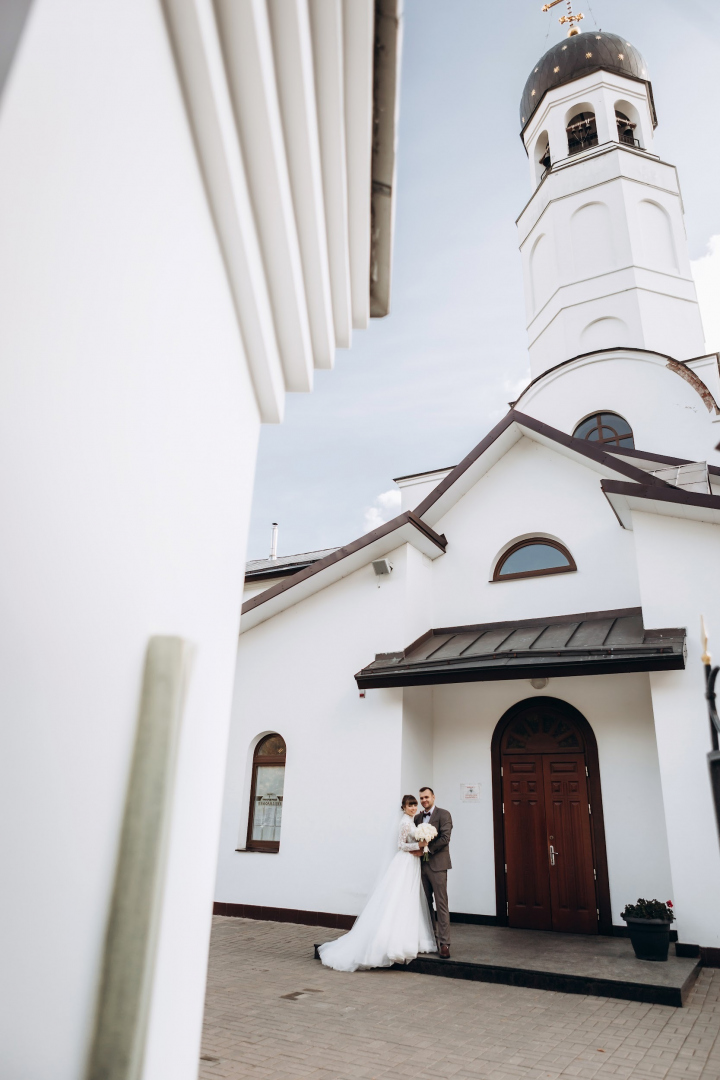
x=569, y=18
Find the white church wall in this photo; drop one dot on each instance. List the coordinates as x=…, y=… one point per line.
x=666, y=413
x=343, y=752
x=128, y=402
x=413, y=489
x=678, y=583
x=417, y=739
x=532, y=490
x=619, y=710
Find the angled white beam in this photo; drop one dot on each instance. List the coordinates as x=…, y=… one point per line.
x=292, y=47
x=247, y=48
x=326, y=26
x=193, y=34
x=358, y=33
x=406, y=528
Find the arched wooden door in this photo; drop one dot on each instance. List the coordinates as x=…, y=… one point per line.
x=550, y=815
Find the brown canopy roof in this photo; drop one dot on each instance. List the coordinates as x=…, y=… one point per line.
x=591, y=643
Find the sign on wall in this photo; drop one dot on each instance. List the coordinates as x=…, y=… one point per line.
x=470, y=793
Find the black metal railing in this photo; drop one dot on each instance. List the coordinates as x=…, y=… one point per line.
x=580, y=143
x=713, y=757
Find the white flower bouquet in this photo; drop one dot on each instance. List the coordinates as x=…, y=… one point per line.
x=426, y=833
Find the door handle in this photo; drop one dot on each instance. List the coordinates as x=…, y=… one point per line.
x=553, y=853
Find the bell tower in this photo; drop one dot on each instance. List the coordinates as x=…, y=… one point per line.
x=602, y=239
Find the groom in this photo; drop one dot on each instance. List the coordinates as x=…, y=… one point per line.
x=434, y=871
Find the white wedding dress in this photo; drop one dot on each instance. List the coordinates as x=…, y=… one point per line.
x=394, y=926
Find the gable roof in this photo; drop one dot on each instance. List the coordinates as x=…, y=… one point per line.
x=496, y=444
x=415, y=527
x=406, y=528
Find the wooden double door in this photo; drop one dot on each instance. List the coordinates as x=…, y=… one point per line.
x=548, y=843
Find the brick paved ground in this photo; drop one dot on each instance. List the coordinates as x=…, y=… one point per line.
x=274, y=1013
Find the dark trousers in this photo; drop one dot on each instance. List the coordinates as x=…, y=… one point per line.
x=435, y=886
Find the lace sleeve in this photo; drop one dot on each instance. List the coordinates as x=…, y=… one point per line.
x=405, y=839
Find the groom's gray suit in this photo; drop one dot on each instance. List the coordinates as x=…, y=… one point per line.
x=434, y=871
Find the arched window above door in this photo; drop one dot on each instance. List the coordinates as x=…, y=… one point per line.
x=606, y=429
x=266, y=794
x=541, y=730
x=533, y=557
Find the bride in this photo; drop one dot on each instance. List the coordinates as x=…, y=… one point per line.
x=395, y=924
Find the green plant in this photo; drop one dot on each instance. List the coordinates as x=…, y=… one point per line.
x=649, y=909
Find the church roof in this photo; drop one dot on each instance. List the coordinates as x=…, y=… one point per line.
x=283, y=565
x=417, y=527
x=574, y=57
x=406, y=528
x=590, y=643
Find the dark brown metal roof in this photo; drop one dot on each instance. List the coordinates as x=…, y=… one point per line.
x=284, y=565
x=591, y=643
x=409, y=517
x=574, y=57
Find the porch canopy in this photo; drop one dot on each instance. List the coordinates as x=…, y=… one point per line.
x=591, y=643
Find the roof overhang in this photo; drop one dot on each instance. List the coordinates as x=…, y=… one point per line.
x=513, y=427
x=293, y=113
x=590, y=643
x=668, y=501
x=406, y=528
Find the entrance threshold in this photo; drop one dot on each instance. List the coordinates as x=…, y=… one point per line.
x=568, y=963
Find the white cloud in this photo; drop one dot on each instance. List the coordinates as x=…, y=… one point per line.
x=386, y=506
x=706, y=271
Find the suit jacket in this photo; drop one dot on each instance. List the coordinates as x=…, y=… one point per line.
x=439, y=848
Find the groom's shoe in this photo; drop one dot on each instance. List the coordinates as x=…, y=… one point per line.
x=444, y=952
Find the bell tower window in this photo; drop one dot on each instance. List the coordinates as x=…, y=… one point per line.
x=544, y=160
x=626, y=129
x=582, y=132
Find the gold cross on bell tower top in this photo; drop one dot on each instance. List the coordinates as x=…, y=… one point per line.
x=569, y=18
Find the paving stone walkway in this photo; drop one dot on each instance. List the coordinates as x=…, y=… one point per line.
x=274, y=1013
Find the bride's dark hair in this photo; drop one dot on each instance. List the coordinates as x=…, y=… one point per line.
x=407, y=800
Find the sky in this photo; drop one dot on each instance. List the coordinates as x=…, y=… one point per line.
x=419, y=388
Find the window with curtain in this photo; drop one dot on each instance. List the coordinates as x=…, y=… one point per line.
x=266, y=794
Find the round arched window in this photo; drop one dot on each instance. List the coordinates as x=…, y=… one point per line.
x=606, y=429
x=533, y=558
x=266, y=796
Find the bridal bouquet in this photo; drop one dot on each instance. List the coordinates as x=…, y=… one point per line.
x=425, y=833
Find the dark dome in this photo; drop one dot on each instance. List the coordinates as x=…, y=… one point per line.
x=576, y=56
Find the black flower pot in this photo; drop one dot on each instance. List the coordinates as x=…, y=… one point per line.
x=650, y=938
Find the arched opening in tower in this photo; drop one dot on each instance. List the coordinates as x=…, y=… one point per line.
x=626, y=129
x=582, y=132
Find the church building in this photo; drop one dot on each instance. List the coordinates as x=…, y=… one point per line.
x=525, y=636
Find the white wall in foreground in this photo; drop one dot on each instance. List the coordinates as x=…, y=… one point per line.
x=128, y=432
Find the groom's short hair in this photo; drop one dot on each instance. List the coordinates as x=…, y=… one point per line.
x=427, y=789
